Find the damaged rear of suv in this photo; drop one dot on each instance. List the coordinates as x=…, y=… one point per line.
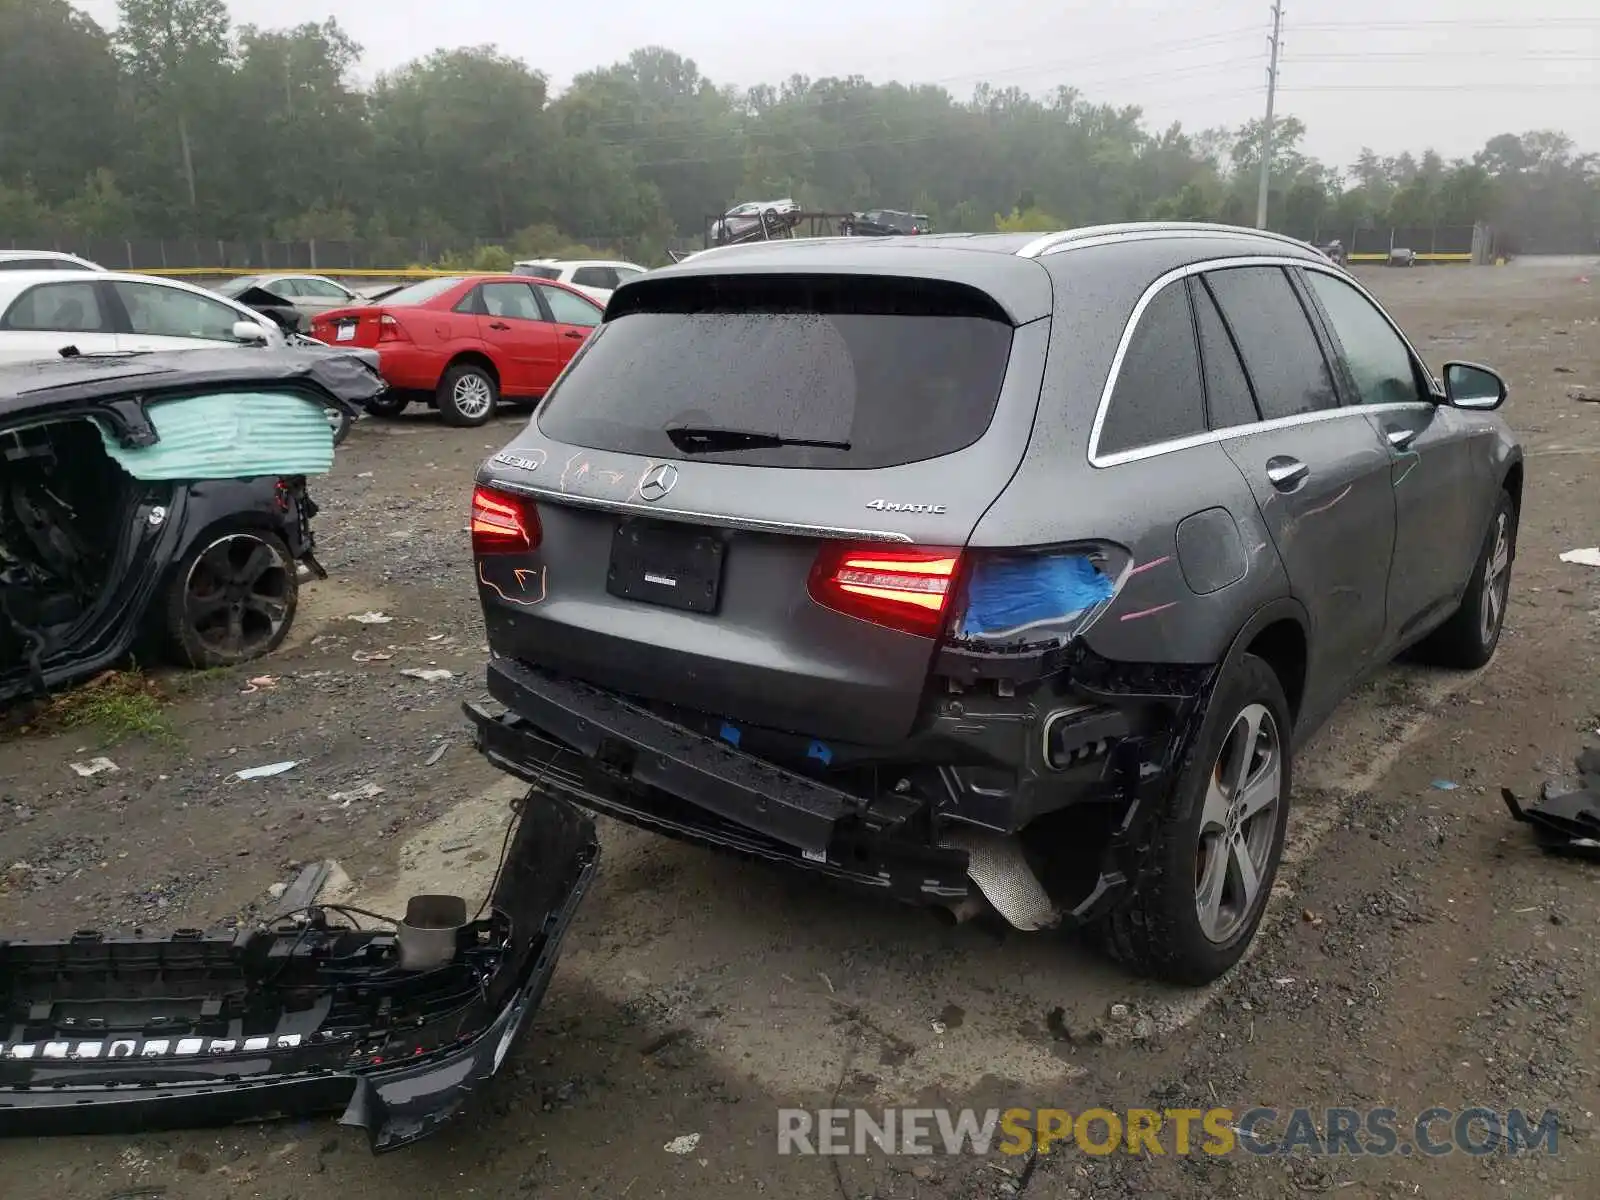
x=976, y=571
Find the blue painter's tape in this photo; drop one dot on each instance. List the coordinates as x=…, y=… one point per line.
x=820, y=752
x=729, y=733
x=1008, y=595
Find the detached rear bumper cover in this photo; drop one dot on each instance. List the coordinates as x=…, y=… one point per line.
x=103, y=1035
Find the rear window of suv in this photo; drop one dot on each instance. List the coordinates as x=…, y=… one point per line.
x=900, y=370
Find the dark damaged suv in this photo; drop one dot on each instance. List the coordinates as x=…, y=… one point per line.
x=987, y=570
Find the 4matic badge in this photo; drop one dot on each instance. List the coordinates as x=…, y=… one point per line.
x=895, y=506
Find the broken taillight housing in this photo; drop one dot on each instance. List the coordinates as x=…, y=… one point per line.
x=503, y=522
x=904, y=588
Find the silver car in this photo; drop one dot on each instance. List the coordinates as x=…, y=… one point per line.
x=1002, y=571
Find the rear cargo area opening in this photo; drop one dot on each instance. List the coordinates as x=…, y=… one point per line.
x=64, y=514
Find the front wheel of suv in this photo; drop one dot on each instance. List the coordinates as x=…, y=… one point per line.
x=1469, y=638
x=1217, y=844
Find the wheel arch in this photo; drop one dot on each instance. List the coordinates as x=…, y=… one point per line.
x=476, y=358
x=1278, y=633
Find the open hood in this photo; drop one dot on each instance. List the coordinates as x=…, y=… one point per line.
x=102, y=1034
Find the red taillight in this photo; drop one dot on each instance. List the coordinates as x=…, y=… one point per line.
x=503, y=523
x=904, y=589
x=390, y=330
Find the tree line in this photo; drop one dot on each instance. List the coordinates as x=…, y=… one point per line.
x=178, y=123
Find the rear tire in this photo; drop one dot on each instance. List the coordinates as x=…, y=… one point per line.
x=232, y=599
x=1217, y=841
x=1469, y=638
x=340, y=421
x=468, y=395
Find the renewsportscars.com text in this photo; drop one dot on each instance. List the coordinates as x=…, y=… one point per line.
x=1176, y=1131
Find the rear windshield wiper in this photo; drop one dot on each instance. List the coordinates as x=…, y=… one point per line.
x=707, y=439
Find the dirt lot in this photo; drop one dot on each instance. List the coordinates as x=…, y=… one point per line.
x=1419, y=952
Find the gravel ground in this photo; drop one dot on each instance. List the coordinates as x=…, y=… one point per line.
x=1420, y=951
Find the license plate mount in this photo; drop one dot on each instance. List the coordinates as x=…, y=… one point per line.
x=674, y=566
x=345, y=332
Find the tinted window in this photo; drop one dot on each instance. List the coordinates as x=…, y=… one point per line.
x=1158, y=396
x=59, y=307
x=322, y=289
x=1274, y=336
x=899, y=370
x=569, y=309
x=1228, y=398
x=626, y=273
x=421, y=293
x=158, y=311
x=514, y=300
x=1378, y=359
x=535, y=272
x=596, y=277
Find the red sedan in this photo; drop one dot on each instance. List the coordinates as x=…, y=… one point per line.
x=464, y=342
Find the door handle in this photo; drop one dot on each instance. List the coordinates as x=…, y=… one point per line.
x=1400, y=438
x=575, y=333
x=1286, y=473
x=498, y=325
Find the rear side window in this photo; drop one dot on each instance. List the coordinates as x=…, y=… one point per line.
x=58, y=308
x=1158, y=396
x=888, y=371
x=1228, y=399
x=596, y=277
x=1274, y=335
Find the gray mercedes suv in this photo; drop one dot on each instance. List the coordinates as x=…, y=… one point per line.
x=989, y=572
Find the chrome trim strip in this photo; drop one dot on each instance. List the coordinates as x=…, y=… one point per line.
x=1069, y=239
x=1096, y=459
x=722, y=520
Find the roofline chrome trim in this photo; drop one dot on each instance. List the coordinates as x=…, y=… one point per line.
x=722, y=520
x=1096, y=459
x=1070, y=239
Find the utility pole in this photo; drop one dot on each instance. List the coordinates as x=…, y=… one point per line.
x=1266, y=128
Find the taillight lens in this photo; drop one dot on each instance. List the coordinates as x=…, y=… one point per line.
x=908, y=589
x=390, y=330
x=503, y=523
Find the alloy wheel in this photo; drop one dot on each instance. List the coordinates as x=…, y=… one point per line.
x=236, y=595
x=1238, y=823
x=472, y=396
x=1496, y=579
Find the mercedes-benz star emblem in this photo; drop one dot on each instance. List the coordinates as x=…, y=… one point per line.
x=658, y=481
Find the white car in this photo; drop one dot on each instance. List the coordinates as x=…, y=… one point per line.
x=44, y=260
x=743, y=219
x=596, y=278
x=109, y=312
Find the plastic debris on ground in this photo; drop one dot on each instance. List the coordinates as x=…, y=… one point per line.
x=277, y=768
x=1589, y=557
x=683, y=1145
x=366, y=791
x=1566, y=820
x=92, y=767
x=429, y=674
x=371, y=656
x=1445, y=785
x=371, y=618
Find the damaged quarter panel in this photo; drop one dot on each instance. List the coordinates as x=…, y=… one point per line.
x=1182, y=597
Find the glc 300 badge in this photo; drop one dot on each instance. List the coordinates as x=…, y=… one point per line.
x=893, y=506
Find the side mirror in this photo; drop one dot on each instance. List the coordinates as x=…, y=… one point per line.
x=249, y=333
x=1467, y=385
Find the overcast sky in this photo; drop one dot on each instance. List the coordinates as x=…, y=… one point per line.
x=1391, y=74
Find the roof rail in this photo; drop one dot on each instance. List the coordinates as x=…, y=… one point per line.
x=1051, y=242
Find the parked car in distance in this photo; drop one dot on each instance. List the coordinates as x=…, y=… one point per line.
x=745, y=220
x=463, y=343
x=136, y=504
x=44, y=260
x=1003, y=571
x=44, y=312
x=307, y=295
x=595, y=278
x=884, y=222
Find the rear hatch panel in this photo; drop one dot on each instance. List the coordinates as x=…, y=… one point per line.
x=760, y=649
